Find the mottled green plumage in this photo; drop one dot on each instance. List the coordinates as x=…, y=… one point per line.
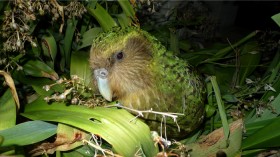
x=143, y=75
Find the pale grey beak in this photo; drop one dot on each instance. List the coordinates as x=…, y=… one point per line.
x=101, y=76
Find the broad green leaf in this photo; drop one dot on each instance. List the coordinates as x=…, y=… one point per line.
x=276, y=19
x=113, y=125
x=49, y=48
x=80, y=67
x=102, y=16
x=266, y=137
x=7, y=110
x=27, y=133
x=39, y=69
x=88, y=36
x=68, y=39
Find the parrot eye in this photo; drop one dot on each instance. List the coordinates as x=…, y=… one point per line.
x=119, y=55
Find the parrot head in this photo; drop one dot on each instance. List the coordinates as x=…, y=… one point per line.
x=121, y=63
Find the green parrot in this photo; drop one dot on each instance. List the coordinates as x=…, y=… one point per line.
x=132, y=67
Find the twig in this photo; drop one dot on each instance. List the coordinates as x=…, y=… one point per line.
x=140, y=113
x=174, y=116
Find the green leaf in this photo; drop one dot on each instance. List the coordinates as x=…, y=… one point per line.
x=7, y=110
x=88, y=36
x=230, y=98
x=127, y=9
x=67, y=137
x=38, y=83
x=80, y=67
x=49, y=48
x=255, y=126
x=266, y=137
x=221, y=107
x=274, y=67
x=39, y=69
x=62, y=62
x=249, y=60
x=27, y=133
x=223, y=52
x=68, y=39
x=276, y=19
x=209, y=110
x=102, y=17
x=123, y=20
x=223, y=75
x=36, y=48
x=273, y=79
x=252, y=153
x=113, y=125
x=267, y=113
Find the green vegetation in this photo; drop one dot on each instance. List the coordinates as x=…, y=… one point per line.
x=49, y=106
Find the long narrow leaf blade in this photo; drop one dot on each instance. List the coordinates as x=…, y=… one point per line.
x=68, y=39
x=221, y=107
x=102, y=16
x=49, y=48
x=27, y=133
x=267, y=137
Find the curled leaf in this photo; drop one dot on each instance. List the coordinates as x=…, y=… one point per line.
x=10, y=82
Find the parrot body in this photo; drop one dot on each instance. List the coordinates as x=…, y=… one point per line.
x=141, y=74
